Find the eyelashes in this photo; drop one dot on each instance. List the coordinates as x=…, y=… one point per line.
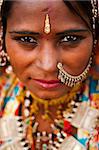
x=69, y=40
x=25, y=40
x=28, y=39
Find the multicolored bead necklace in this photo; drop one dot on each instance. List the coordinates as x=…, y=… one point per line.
x=44, y=140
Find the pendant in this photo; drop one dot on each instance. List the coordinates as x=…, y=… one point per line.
x=43, y=141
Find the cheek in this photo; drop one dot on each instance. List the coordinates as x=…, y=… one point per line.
x=18, y=57
x=76, y=59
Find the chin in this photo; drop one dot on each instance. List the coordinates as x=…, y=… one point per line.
x=47, y=95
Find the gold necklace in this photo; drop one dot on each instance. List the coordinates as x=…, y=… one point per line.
x=53, y=102
x=46, y=103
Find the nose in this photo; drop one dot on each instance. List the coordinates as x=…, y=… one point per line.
x=48, y=57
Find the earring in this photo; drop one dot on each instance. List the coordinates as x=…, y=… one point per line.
x=3, y=55
x=3, y=58
x=69, y=79
x=94, y=4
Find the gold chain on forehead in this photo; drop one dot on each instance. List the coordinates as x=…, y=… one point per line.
x=47, y=26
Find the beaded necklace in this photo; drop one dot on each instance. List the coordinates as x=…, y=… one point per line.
x=44, y=140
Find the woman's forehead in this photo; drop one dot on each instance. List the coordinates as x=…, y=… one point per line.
x=32, y=13
x=52, y=7
x=57, y=9
x=40, y=5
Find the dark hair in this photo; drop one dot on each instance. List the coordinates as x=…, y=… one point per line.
x=79, y=7
x=86, y=7
x=5, y=12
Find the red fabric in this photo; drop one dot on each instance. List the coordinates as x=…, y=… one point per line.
x=68, y=127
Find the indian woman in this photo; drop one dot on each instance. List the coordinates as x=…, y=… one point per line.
x=49, y=93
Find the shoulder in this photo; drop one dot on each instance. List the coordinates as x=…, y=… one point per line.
x=94, y=91
x=5, y=82
x=9, y=89
x=91, y=91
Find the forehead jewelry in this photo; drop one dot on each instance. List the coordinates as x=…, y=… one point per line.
x=47, y=26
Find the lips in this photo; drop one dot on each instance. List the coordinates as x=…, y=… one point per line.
x=47, y=83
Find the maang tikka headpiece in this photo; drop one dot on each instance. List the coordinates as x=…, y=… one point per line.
x=64, y=76
x=47, y=25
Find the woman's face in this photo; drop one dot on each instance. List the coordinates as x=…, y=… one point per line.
x=34, y=54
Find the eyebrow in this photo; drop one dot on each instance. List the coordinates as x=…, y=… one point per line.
x=24, y=32
x=72, y=31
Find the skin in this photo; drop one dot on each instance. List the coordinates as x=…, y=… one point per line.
x=35, y=60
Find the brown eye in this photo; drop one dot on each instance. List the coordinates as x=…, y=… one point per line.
x=27, y=42
x=27, y=39
x=71, y=39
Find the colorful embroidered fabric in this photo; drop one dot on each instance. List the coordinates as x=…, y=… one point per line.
x=10, y=87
